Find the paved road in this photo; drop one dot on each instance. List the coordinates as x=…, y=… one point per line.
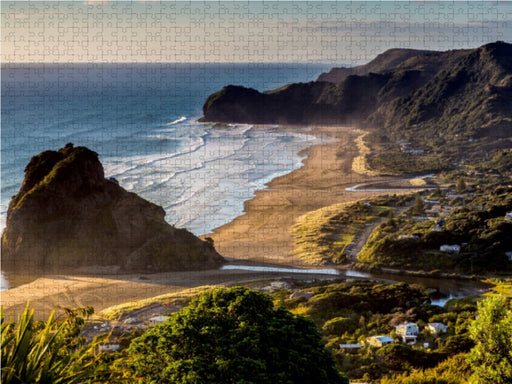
x=361, y=238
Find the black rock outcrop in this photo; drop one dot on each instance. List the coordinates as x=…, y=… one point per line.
x=68, y=217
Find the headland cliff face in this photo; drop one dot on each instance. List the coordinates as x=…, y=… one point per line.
x=68, y=217
x=457, y=94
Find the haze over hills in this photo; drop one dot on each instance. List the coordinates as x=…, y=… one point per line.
x=438, y=100
x=384, y=62
x=68, y=217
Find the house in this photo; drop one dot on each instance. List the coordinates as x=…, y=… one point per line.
x=437, y=328
x=307, y=295
x=453, y=196
x=157, y=320
x=379, y=341
x=509, y=255
x=408, y=237
x=450, y=248
x=350, y=348
x=408, y=332
x=281, y=284
x=419, y=219
x=108, y=347
x=433, y=211
x=508, y=217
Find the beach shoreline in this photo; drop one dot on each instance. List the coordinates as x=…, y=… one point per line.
x=262, y=234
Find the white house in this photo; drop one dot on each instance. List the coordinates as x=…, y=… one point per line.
x=108, y=347
x=350, y=348
x=157, y=320
x=508, y=217
x=280, y=285
x=450, y=248
x=379, y=341
x=408, y=332
x=437, y=328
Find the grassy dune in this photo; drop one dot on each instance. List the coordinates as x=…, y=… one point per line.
x=324, y=235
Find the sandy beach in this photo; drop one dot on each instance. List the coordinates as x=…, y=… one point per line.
x=262, y=234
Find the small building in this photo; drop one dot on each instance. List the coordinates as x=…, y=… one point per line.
x=447, y=209
x=409, y=237
x=280, y=285
x=350, y=348
x=379, y=341
x=307, y=295
x=434, y=211
x=453, y=196
x=437, y=328
x=420, y=219
x=108, y=347
x=509, y=255
x=408, y=332
x=508, y=217
x=157, y=320
x=450, y=248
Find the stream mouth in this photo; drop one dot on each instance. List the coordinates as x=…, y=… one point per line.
x=443, y=289
x=253, y=268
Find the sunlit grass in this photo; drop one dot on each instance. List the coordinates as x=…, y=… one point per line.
x=500, y=287
x=173, y=298
x=323, y=236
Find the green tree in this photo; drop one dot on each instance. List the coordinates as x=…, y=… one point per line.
x=437, y=193
x=491, y=358
x=231, y=336
x=461, y=185
x=418, y=207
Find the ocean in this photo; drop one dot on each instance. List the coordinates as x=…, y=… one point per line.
x=141, y=119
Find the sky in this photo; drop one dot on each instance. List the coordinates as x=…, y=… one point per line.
x=242, y=31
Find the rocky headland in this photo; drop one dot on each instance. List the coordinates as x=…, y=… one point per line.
x=455, y=102
x=67, y=217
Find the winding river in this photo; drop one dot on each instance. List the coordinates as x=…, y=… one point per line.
x=443, y=289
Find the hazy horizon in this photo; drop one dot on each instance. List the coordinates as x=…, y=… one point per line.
x=327, y=32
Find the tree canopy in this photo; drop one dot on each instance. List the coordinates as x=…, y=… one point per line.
x=491, y=358
x=232, y=336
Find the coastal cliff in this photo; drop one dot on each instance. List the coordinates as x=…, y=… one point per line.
x=432, y=99
x=68, y=217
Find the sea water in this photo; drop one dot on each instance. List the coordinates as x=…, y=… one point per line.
x=141, y=119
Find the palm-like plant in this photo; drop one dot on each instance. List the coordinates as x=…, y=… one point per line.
x=32, y=354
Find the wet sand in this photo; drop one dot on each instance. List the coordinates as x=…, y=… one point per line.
x=65, y=291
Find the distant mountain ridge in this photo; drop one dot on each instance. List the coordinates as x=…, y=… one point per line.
x=403, y=93
x=384, y=62
x=68, y=218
